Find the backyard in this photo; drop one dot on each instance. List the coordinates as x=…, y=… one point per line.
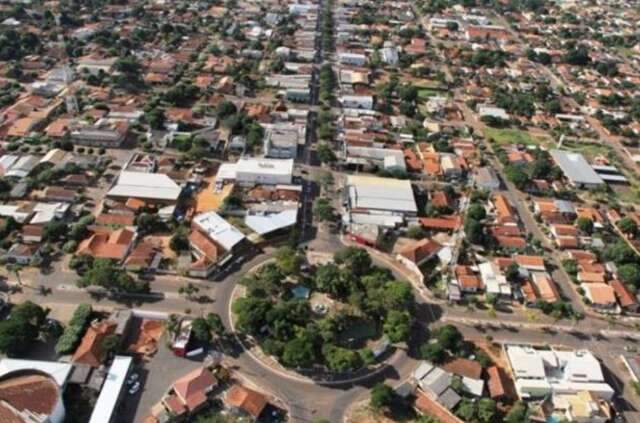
x=508, y=136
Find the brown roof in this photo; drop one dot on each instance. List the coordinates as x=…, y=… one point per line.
x=440, y=199
x=205, y=246
x=496, y=382
x=35, y=393
x=427, y=406
x=122, y=219
x=421, y=250
x=246, y=399
x=175, y=406
x=464, y=367
x=601, y=293
x=450, y=223
x=105, y=244
x=546, y=288
x=32, y=230
x=503, y=209
x=141, y=255
x=511, y=241
x=529, y=261
x=192, y=388
x=625, y=297
x=90, y=349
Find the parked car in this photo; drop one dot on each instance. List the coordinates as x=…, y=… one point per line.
x=134, y=388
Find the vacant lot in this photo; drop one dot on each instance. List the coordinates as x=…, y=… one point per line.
x=508, y=136
x=589, y=150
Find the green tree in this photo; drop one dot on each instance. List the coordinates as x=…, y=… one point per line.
x=354, y=258
x=416, y=232
x=628, y=226
x=288, y=260
x=449, y=337
x=179, y=241
x=201, y=330
x=397, y=326
x=620, y=253
x=106, y=274
x=300, y=352
x=328, y=279
x=341, y=359
x=54, y=230
x=325, y=153
x=474, y=231
x=382, y=395
x=466, y=410
x=476, y=212
x=323, y=210
x=585, y=225
x=110, y=344
x=215, y=324
x=629, y=274
x=517, y=176
x=487, y=410
x=519, y=413
x=433, y=352
x=251, y=313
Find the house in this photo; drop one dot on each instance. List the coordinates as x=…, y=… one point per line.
x=494, y=281
x=353, y=59
x=356, y=102
x=24, y=254
x=191, y=392
x=448, y=223
x=104, y=133
x=546, y=289
x=59, y=194
x=418, y=253
x=468, y=281
x=497, y=383
x=532, y=263
x=32, y=233
x=602, y=297
x=486, y=178
x=582, y=407
x=539, y=373
x=626, y=299
x=505, y=215
x=242, y=400
x=107, y=244
x=90, y=350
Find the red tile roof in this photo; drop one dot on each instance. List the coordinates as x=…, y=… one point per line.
x=90, y=349
x=192, y=388
x=246, y=399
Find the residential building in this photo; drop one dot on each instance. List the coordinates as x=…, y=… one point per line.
x=539, y=373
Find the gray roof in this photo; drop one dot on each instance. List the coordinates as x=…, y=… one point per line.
x=576, y=168
x=449, y=399
x=369, y=192
x=436, y=381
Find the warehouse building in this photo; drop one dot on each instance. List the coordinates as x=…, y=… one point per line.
x=576, y=169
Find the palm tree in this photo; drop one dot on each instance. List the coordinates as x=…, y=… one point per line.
x=16, y=269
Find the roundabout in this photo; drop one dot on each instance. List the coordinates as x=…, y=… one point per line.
x=307, y=398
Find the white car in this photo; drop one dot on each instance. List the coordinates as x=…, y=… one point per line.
x=135, y=388
x=133, y=377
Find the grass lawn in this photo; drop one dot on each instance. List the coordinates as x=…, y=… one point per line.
x=425, y=93
x=508, y=136
x=589, y=150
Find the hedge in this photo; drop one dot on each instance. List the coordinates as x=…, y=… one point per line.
x=74, y=330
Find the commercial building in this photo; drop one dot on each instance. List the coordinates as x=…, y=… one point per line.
x=112, y=391
x=31, y=390
x=155, y=188
x=576, y=169
x=281, y=140
x=539, y=373
x=254, y=171
x=381, y=201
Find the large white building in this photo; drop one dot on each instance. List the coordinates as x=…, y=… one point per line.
x=539, y=373
x=378, y=201
x=219, y=230
x=256, y=171
x=154, y=187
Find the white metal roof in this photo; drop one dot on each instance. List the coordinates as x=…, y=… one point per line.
x=370, y=192
x=219, y=229
x=110, y=393
x=525, y=362
x=575, y=167
x=265, y=166
x=156, y=186
x=226, y=171
x=270, y=222
x=57, y=370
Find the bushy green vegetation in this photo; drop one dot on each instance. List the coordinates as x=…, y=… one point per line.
x=287, y=328
x=70, y=338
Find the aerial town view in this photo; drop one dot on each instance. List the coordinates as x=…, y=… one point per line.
x=319, y=211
